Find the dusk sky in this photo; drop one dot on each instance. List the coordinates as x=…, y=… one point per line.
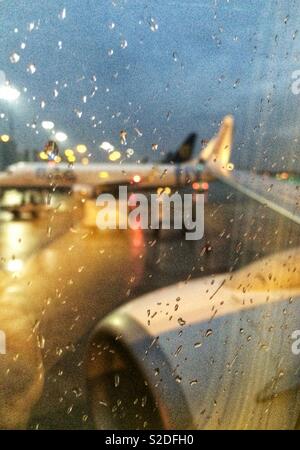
x=157, y=69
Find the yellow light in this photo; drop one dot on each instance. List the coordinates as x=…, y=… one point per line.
x=114, y=156
x=69, y=152
x=43, y=156
x=159, y=190
x=71, y=158
x=81, y=148
x=57, y=159
x=103, y=174
x=167, y=191
x=5, y=138
x=85, y=161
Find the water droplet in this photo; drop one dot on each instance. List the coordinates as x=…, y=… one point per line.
x=178, y=379
x=154, y=147
x=129, y=152
x=198, y=344
x=123, y=137
x=209, y=332
x=153, y=24
x=31, y=68
x=41, y=341
x=14, y=58
x=62, y=15
x=111, y=25
x=124, y=43
x=77, y=391
x=117, y=380
x=110, y=52
x=30, y=26
x=181, y=321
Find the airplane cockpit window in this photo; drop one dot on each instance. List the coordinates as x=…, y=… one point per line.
x=149, y=215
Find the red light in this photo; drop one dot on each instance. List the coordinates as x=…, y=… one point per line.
x=205, y=186
x=136, y=178
x=196, y=186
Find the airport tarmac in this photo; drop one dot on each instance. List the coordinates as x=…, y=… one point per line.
x=237, y=231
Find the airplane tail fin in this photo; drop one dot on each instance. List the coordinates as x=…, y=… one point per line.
x=184, y=152
x=218, y=149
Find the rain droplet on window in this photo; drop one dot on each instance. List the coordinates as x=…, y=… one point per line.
x=124, y=43
x=14, y=58
x=62, y=15
x=31, y=68
x=153, y=24
x=123, y=137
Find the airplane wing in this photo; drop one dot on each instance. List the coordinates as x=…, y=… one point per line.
x=281, y=196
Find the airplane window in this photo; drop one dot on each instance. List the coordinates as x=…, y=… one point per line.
x=150, y=236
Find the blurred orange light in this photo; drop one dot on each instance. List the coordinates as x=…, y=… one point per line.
x=136, y=178
x=284, y=176
x=196, y=186
x=205, y=185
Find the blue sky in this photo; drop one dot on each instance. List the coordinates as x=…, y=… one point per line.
x=185, y=65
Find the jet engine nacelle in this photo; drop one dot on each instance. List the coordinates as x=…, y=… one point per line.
x=214, y=353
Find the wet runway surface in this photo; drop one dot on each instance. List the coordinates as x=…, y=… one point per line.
x=237, y=231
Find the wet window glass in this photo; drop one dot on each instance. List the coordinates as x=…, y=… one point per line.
x=149, y=214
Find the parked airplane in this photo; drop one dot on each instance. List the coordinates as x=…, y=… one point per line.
x=174, y=169
x=213, y=162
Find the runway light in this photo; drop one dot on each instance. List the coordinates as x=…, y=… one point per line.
x=284, y=176
x=5, y=137
x=107, y=146
x=103, y=174
x=14, y=265
x=85, y=161
x=43, y=156
x=81, y=148
x=60, y=136
x=71, y=158
x=47, y=125
x=69, y=152
x=114, y=156
x=9, y=93
x=136, y=178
